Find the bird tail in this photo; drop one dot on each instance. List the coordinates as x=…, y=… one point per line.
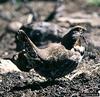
x=29, y=46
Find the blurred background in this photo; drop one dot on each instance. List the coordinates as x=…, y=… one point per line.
x=65, y=13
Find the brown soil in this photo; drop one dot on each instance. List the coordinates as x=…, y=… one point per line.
x=23, y=84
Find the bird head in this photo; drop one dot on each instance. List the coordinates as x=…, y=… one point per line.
x=72, y=36
x=77, y=31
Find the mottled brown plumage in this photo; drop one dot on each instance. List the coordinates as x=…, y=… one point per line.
x=52, y=62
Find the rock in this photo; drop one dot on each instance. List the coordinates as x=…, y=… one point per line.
x=14, y=26
x=7, y=66
x=42, y=33
x=6, y=15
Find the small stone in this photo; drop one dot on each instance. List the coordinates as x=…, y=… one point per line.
x=14, y=26
x=7, y=66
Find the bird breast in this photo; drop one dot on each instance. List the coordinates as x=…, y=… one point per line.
x=57, y=52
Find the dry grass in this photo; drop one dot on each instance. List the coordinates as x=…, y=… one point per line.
x=89, y=68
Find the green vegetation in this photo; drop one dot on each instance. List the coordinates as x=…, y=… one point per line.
x=94, y=2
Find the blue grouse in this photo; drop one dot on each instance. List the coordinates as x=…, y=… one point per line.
x=58, y=59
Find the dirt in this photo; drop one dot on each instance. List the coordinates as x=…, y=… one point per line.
x=23, y=84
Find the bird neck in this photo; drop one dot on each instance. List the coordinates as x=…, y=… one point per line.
x=68, y=41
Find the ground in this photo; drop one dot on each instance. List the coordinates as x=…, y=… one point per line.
x=83, y=82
